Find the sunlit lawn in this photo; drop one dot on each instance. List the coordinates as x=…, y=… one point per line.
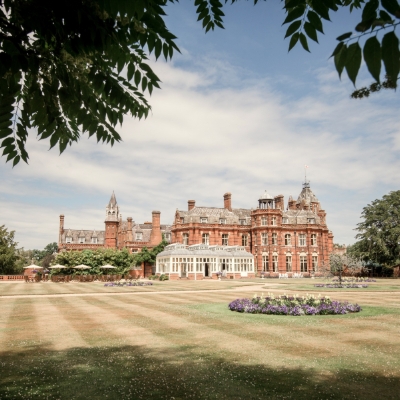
x=147, y=345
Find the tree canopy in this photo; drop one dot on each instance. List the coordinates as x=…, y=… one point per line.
x=8, y=251
x=67, y=69
x=379, y=232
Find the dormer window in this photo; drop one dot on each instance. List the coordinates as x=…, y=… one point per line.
x=242, y=221
x=139, y=236
x=285, y=220
x=68, y=239
x=311, y=220
x=94, y=240
x=203, y=220
x=222, y=221
x=182, y=220
x=81, y=239
x=167, y=236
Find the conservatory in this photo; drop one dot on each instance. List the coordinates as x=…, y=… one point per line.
x=203, y=261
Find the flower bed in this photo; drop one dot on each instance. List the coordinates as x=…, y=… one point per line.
x=342, y=286
x=292, y=305
x=353, y=280
x=113, y=284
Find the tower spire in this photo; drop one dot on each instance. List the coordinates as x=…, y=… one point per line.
x=306, y=183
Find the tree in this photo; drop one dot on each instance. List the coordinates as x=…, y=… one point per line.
x=379, y=232
x=8, y=251
x=79, y=67
x=121, y=259
x=149, y=256
x=340, y=263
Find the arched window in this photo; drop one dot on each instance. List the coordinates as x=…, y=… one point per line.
x=288, y=239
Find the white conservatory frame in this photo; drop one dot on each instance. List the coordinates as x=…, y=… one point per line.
x=202, y=260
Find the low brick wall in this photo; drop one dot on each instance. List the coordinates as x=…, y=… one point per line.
x=11, y=277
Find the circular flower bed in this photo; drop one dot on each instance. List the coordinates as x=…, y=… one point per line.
x=340, y=286
x=292, y=305
x=128, y=284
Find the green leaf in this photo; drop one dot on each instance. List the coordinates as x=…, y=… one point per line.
x=294, y=14
x=373, y=56
x=311, y=31
x=303, y=41
x=16, y=160
x=293, y=40
x=385, y=16
x=369, y=11
x=293, y=27
x=138, y=76
x=340, y=59
x=7, y=142
x=353, y=61
x=337, y=49
x=315, y=20
x=344, y=36
x=391, y=6
x=11, y=155
x=321, y=9
x=391, y=55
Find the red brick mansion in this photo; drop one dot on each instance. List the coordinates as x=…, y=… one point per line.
x=117, y=234
x=293, y=239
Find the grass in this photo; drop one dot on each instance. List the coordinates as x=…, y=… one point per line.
x=188, y=345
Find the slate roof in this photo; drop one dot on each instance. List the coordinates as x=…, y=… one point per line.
x=214, y=214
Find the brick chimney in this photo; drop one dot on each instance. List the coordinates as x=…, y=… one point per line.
x=155, y=236
x=227, y=201
x=191, y=204
x=61, y=228
x=129, y=235
x=279, y=202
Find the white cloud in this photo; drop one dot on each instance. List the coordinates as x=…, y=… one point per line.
x=204, y=138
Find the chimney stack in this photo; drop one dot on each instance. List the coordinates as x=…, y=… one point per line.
x=155, y=236
x=191, y=204
x=61, y=228
x=227, y=201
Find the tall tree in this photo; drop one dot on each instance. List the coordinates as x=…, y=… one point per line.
x=8, y=251
x=379, y=232
x=72, y=68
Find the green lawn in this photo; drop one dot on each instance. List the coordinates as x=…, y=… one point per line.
x=186, y=344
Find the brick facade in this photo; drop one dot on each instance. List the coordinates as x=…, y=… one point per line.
x=293, y=240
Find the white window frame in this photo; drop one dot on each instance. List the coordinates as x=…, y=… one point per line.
x=185, y=239
x=273, y=221
x=94, y=240
x=265, y=262
x=205, y=238
x=288, y=263
x=275, y=263
x=264, y=221
x=68, y=239
x=139, y=236
x=274, y=238
x=222, y=221
x=303, y=264
x=302, y=239
x=242, y=221
x=264, y=239
x=288, y=239
x=203, y=220
x=285, y=220
x=81, y=240
x=313, y=239
x=245, y=240
x=314, y=263
x=225, y=239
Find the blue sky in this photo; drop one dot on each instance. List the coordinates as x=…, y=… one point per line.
x=236, y=113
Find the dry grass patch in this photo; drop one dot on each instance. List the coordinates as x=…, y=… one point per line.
x=187, y=345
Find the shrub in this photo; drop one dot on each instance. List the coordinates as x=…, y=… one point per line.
x=163, y=277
